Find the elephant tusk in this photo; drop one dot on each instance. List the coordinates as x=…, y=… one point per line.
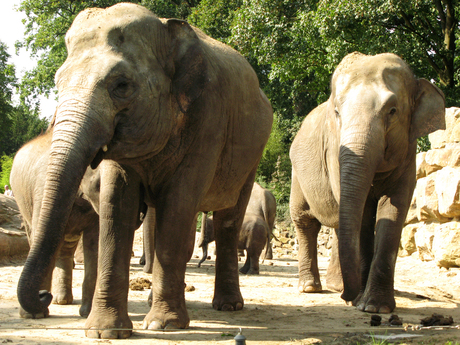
x=104, y=148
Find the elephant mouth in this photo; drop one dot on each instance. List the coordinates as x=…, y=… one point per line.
x=99, y=157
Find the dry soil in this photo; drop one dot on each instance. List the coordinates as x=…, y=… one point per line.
x=274, y=312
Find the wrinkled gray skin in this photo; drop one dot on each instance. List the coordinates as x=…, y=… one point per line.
x=353, y=169
x=185, y=117
x=28, y=175
x=262, y=204
x=254, y=236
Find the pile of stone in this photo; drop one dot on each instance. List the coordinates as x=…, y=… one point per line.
x=13, y=239
x=284, y=242
x=432, y=228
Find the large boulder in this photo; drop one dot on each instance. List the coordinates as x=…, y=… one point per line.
x=13, y=239
x=451, y=134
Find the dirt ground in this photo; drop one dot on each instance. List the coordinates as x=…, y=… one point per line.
x=274, y=312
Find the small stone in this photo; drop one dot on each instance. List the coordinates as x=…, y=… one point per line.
x=189, y=288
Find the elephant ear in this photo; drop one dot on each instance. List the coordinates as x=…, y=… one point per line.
x=190, y=69
x=429, y=110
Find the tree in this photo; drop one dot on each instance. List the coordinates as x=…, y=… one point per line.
x=6, y=163
x=7, y=84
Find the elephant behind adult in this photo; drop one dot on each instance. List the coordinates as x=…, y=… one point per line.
x=185, y=116
x=254, y=236
x=262, y=204
x=28, y=175
x=353, y=168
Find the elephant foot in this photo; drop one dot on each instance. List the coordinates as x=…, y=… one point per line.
x=310, y=286
x=376, y=304
x=252, y=271
x=335, y=284
x=63, y=296
x=228, y=302
x=106, y=324
x=162, y=316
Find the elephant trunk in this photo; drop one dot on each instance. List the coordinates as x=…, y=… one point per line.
x=358, y=159
x=70, y=155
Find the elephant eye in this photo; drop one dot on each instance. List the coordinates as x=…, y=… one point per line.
x=392, y=111
x=337, y=114
x=123, y=89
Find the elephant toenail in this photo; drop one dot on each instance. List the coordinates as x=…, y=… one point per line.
x=153, y=325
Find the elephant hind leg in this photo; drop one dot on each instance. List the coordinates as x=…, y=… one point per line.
x=62, y=280
x=246, y=266
x=307, y=229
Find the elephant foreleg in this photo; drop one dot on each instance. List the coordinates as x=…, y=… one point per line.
x=119, y=217
x=378, y=295
x=174, y=243
x=334, y=280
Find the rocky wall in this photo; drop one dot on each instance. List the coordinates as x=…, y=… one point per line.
x=432, y=230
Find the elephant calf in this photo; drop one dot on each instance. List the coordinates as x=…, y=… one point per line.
x=353, y=169
x=254, y=235
x=28, y=179
x=255, y=232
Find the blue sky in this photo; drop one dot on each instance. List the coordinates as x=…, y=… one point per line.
x=12, y=30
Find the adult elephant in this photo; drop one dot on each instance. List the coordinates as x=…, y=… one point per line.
x=353, y=168
x=184, y=115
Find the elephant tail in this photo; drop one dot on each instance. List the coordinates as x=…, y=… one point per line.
x=205, y=254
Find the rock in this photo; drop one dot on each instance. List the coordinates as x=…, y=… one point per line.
x=408, y=245
x=427, y=200
x=13, y=238
x=445, y=246
x=412, y=213
x=421, y=165
x=451, y=134
x=447, y=190
x=424, y=237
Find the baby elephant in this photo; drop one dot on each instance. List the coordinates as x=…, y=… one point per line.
x=254, y=235
x=27, y=179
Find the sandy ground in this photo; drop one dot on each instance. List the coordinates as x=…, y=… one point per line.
x=274, y=312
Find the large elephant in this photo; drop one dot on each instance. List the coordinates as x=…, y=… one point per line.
x=186, y=118
x=353, y=169
x=27, y=177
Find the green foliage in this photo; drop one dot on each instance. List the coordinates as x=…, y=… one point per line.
x=6, y=163
x=293, y=45
x=423, y=144
x=215, y=17
x=7, y=84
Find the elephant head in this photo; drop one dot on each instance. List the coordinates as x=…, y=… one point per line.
x=377, y=109
x=124, y=90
